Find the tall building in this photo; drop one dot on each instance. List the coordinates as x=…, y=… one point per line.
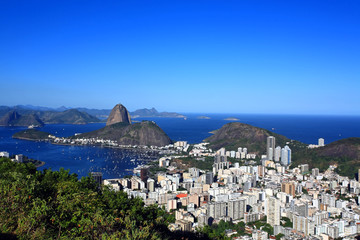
x=236, y=209
x=194, y=172
x=209, y=178
x=270, y=147
x=303, y=224
x=273, y=211
x=277, y=154
x=321, y=142
x=217, y=209
x=220, y=158
x=286, y=156
x=315, y=172
x=151, y=185
x=144, y=172
x=270, y=155
x=288, y=187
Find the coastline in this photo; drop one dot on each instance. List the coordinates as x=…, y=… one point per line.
x=135, y=149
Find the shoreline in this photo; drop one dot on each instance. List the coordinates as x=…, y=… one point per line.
x=139, y=149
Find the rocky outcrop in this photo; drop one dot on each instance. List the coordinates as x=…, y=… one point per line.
x=145, y=133
x=118, y=114
x=9, y=117
x=13, y=118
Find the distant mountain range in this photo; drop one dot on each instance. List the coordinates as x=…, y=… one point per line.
x=13, y=118
x=98, y=113
x=145, y=112
x=26, y=117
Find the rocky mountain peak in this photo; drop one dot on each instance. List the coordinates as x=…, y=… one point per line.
x=118, y=114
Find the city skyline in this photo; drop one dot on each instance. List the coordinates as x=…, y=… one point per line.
x=201, y=57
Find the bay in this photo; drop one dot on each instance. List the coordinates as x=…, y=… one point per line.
x=117, y=162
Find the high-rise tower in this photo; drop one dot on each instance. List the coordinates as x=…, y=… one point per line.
x=270, y=147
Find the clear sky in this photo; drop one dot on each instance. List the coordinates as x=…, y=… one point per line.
x=297, y=57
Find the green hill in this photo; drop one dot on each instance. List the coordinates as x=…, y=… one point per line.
x=145, y=133
x=235, y=134
x=31, y=134
x=345, y=153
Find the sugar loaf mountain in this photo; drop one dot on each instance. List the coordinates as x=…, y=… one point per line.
x=119, y=128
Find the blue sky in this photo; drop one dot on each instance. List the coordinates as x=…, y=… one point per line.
x=297, y=57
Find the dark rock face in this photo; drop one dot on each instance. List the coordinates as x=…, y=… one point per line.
x=118, y=114
x=145, y=133
x=13, y=118
x=28, y=120
x=9, y=118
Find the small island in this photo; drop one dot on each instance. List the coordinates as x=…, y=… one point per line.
x=231, y=119
x=32, y=134
x=203, y=117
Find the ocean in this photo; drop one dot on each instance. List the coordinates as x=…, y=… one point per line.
x=115, y=163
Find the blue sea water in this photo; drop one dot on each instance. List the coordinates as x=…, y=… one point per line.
x=116, y=162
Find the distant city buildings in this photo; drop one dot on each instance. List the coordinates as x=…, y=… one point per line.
x=321, y=143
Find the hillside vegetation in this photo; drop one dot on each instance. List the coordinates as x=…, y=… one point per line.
x=235, y=134
x=144, y=133
x=345, y=153
x=21, y=117
x=31, y=134
x=56, y=205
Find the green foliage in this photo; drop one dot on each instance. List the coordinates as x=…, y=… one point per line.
x=155, y=169
x=203, y=165
x=345, y=153
x=217, y=231
x=286, y=222
x=55, y=204
x=261, y=224
x=279, y=236
x=180, y=188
